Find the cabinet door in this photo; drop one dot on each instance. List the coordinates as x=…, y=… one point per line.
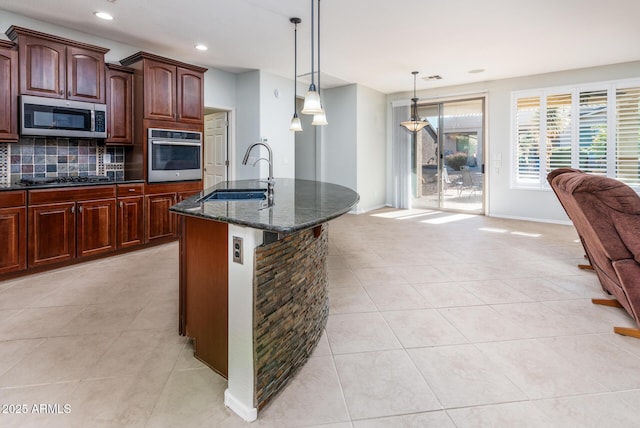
x=159, y=90
x=119, y=106
x=96, y=227
x=9, y=99
x=42, y=67
x=85, y=75
x=161, y=223
x=52, y=233
x=130, y=221
x=190, y=92
x=13, y=239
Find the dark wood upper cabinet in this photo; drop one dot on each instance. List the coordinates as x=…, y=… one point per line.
x=172, y=90
x=190, y=96
x=9, y=91
x=85, y=75
x=119, y=96
x=55, y=67
x=159, y=91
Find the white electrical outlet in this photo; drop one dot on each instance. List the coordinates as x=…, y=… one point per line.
x=237, y=250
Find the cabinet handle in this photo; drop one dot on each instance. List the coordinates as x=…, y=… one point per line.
x=69, y=93
x=132, y=190
x=120, y=204
x=61, y=92
x=80, y=209
x=73, y=209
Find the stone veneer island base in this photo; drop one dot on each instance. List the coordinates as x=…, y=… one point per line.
x=256, y=322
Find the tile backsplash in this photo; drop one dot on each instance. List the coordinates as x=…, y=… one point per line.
x=56, y=157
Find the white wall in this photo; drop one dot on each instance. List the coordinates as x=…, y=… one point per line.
x=219, y=89
x=371, y=149
x=504, y=201
x=248, y=124
x=353, y=144
x=306, y=147
x=276, y=109
x=339, y=138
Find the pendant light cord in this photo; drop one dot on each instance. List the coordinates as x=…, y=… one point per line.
x=318, y=47
x=312, y=51
x=295, y=64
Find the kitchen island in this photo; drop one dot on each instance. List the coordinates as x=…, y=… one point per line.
x=253, y=280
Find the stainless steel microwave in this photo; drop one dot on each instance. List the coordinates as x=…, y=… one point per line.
x=174, y=155
x=62, y=118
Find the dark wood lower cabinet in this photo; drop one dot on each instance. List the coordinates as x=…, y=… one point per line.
x=42, y=228
x=161, y=223
x=130, y=221
x=96, y=227
x=70, y=223
x=52, y=233
x=13, y=237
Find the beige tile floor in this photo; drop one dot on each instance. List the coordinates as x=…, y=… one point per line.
x=437, y=320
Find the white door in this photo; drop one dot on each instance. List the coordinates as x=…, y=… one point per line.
x=215, y=148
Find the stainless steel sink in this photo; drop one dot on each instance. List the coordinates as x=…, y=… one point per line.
x=235, y=195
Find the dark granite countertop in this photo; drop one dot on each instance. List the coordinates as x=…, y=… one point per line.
x=17, y=186
x=298, y=205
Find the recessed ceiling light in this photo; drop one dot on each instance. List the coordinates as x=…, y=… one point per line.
x=103, y=15
x=201, y=47
x=476, y=71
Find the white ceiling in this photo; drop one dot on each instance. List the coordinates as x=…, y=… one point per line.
x=372, y=42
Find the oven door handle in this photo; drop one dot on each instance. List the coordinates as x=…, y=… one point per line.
x=175, y=143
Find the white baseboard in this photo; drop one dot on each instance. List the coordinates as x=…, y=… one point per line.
x=249, y=414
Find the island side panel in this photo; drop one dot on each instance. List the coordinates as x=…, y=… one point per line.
x=205, y=271
x=291, y=306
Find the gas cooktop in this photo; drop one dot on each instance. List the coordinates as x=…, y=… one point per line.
x=35, y=181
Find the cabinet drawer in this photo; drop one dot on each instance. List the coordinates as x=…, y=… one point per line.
x=70, y=194
x=124, y=190
x=10, y=198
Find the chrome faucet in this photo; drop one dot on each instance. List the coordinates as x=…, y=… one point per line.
x=270, y=179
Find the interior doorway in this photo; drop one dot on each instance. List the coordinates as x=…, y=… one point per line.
x=216, y=148
x=448, y=157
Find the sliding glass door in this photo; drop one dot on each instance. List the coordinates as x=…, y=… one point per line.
x=448, y=157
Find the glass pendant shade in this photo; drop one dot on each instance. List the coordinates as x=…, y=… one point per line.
x=320, y=119
x=296, y=125
x=415, y=124
x=312, y=103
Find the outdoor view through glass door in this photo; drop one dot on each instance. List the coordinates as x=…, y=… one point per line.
x=448, y=157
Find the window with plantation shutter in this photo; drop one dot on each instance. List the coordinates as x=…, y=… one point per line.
x=528, y=130
x=559, y=134
x=592, y=154
x=628, y=135
x=595, y=128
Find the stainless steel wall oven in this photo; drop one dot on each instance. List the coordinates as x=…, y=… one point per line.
x=174, y=155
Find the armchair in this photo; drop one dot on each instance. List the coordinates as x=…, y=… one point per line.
x=566, y=204
x=606, y=214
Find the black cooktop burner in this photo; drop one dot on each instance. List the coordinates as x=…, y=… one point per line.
x=34, y=181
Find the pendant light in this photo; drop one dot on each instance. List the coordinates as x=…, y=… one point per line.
x=296, y=125
x=415, y=124
x=319, y=119
x=312, y=103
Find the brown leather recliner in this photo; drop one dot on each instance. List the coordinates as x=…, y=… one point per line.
x=606, y=215
x=566, y=204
